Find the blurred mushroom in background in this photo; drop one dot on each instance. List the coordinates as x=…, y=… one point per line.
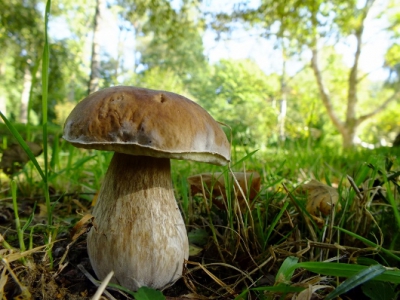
x=14, y=157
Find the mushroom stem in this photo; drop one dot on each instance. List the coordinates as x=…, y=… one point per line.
x=138, y=230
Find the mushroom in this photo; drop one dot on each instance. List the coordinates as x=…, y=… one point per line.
x=138, y=231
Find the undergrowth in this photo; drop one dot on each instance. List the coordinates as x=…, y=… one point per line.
x=238, y=249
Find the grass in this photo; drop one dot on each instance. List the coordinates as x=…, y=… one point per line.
x=268, y=248
x=241, y=249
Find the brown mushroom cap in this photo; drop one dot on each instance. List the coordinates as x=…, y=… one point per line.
x=140, y=121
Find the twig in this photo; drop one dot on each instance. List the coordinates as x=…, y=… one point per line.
x=94, y=281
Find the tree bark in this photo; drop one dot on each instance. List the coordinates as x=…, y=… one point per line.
x=326, y=99
x=95, y=60
x=352, y=99
x=348, y=137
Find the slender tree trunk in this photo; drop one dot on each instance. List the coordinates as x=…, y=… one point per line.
x=23, y=112
x=95, y=61
x=3, y=107
x=282, y=117
x=283, y=100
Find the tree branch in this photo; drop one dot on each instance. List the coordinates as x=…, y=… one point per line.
x=326, y=100
x=394, y=96
x=353, y=76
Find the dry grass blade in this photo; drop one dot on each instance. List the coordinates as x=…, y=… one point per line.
x=247, y=275
x=94, y=281
x=3, y=281
x=25, y=294
x=213, y=277
x=308, y=293
x=81, y=226
x=300, y=211
x=16, y=256
x=362, y=211
x=103, y=286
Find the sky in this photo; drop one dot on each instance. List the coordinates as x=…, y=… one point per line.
x=247, y=45
x=260, y=50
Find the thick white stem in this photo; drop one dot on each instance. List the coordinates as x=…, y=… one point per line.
x=138, y=230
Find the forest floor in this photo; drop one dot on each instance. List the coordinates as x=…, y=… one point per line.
x=237, y=251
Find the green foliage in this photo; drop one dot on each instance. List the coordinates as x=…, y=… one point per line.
x=378, y=290
x=357, y=279
x=392, y=56
x=21, y=40
x=163, y=79
x=355, y=272
x=241, y=87
x=145, y=293
x=286, y=270
x=176, y=43
x=392, y=62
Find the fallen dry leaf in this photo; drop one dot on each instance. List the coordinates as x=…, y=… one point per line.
x=81, y=227
x=309, y=292
x=320, y=199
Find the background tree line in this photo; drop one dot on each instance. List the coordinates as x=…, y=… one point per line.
x=325, y=99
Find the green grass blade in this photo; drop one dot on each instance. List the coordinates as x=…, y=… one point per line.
x=392, y=201
x=282, y=288
x=274, y=223
x=244, y=158
x=17, y=221
x=45, y=85
x=30, y=218
x=77, y=165
x=118, y=287
x=242, y=295
x=369, y=243
x=378, y=290
x=286, y=270
x=357, y=279
x=345, y=270
x=23, y=144
x=145, y=293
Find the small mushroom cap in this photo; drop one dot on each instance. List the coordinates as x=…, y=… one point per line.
x=140, y=121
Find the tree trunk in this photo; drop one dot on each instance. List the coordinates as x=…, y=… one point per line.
x=23, y=112
x=283, y=100
x=348, y=137
x=3, y=107
x=95, y=61
x=282, y=117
